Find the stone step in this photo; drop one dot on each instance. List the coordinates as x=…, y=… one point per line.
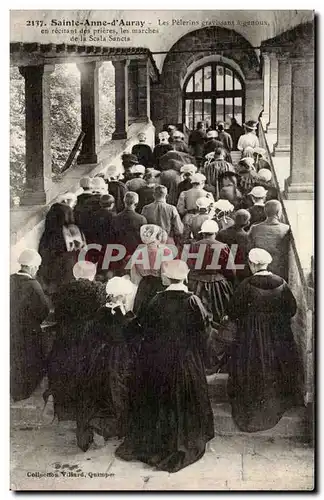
x=294, y=424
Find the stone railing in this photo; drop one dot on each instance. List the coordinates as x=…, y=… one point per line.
x=303, y=321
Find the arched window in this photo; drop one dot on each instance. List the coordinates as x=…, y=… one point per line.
x=213, y=93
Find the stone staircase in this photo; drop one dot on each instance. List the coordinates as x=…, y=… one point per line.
x=294, y=424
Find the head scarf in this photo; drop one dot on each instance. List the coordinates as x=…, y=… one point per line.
x=149, y=233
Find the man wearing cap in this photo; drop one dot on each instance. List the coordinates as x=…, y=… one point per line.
x=249, y=138
x=163, y=214
x=170, y=418
x=236, y=131
x=218, y=166
x=171, y=179
x=187, y=199
x=28, y=309
x=116, y=187
x=102, y=219
x=178, y=143
x=224, y=137
x=146, y=193
x=126, y=225
x=134, y=184
x=263, y=375
x=197, y=140
x=86, y=185
x=274, y=236
x=161, y=148
x=143, y=151
x=258, y=195
x=187, y=172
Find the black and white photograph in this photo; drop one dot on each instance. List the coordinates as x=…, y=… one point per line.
x=162, y=255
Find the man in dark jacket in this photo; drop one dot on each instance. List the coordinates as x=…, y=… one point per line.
x=161, y=148
x=28, y=309
x=146, y=193
x=143, y=152
x=236, y=235
x=197, y=140
x=126, y=225
x=116, y=187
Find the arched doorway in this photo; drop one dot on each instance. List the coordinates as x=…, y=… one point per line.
x=213, y=92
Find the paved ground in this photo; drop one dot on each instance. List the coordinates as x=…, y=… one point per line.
x=243, y=462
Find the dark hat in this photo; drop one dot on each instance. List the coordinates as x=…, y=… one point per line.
x=251, y=124
x=130, y=158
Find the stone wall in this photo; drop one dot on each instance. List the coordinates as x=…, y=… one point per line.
x=213, y=41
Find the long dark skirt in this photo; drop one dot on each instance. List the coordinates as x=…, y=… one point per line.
x=27, y=362
x=147, y=289
x=263, y=372
x=105, y=393
x=171, y=419
x=215, y=296
x=64, y=365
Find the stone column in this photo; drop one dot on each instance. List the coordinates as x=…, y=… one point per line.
x=266, y=87
x=121, y=99
x=282, y=147
x=38, y=134
x=300, y=184
x=273, y=106
x=144, y=98
x=133, y=91
x=89, y=112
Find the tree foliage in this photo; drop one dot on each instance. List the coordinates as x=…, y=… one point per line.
x=65, y=117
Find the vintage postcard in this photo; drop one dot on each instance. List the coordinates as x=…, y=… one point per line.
x=162, y=250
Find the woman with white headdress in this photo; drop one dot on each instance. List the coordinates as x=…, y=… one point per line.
x=147, y=272
x=107, y=366
x=28, y=309
x=264, y=363
x=170, y=419
x=223, y=210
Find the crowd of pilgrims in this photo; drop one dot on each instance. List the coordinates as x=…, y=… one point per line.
x=134, y=343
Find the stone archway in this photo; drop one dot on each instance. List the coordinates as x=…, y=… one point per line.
x=191, y=50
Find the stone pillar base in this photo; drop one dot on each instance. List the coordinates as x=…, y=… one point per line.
x=281, y=150
x=31, y=197
x=88, y=159
x=119, y=135
x=296, y=191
